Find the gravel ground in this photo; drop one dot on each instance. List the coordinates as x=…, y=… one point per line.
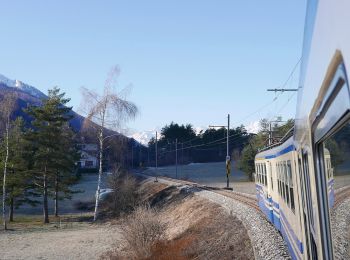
x=266, y=241
x=87, y=242
x=340, y=219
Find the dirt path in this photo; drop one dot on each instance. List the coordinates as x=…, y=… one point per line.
x=85, y=242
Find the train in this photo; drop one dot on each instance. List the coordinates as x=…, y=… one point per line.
x=303, y=181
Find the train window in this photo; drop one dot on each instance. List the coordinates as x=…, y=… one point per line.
x=263, y=170
x=286, y=181
x=271, y=172
x=263, y=173
x=283, y=181
x=335, y=151
x=259, y=173
x=291, y=190
x=279, y=178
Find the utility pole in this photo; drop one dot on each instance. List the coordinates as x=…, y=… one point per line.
x=148, y=156
x=140, y=159
x=228, y=158
x=176, y=157
x=182, y=153
x=156, y=157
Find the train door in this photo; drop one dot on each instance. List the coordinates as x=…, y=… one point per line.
x=307, y=214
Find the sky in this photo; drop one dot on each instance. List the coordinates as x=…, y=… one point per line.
x=187, y=61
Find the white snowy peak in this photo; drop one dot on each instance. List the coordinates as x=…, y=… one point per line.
x=22, y=86
x=143, y=137
x=253, y=127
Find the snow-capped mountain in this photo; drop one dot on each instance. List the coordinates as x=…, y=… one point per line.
x=144, y=137
x=253, y=127
x=22, y=86
x=200, y=129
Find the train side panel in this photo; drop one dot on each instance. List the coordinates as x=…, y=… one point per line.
x=279, y=198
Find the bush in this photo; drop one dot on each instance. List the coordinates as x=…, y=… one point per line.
x=125, y=196
x=142, y=230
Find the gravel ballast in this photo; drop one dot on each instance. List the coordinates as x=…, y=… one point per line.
x=266, y=241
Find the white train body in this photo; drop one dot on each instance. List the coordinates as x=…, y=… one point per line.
x=305, y=172
x=277, y=197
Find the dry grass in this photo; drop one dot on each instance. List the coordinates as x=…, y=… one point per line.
x=195, y=229
x=199, y=229
x=142, y=230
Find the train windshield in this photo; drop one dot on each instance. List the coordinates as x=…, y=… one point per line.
x=336, y=160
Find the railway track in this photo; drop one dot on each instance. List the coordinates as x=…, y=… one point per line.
x=341, y=195
x=245, y=199
x=251, y=202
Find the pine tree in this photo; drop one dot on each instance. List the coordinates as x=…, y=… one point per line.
x=66, y=157
x=20, y=186
x=49, y=119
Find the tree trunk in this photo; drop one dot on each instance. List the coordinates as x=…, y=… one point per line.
x=99, y=175
x=45, y=204
x=11, y=209
x=5, y=173
x=56, y=195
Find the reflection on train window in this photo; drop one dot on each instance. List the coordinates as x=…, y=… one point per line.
x=336, y=165
x=271, y=178
x=285, y=183
x=290, y=182
x=260, y=169
x=278, y=179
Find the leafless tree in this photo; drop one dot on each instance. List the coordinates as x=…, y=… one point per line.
x=6, y=109
x=108, y=110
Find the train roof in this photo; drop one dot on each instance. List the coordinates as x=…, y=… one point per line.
x=275, y=151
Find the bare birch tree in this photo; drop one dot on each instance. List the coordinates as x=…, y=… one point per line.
x=108, y=110
x=6, y=109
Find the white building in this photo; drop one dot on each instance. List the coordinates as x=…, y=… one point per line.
x=88, y=156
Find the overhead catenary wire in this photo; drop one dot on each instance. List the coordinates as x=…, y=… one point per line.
x=247, y=116
x=290, y=76
x=205, y=144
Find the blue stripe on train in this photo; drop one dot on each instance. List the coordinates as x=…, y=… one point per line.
x=283, y=151
x=279, y=221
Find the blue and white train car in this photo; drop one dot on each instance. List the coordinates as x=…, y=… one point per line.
x=301, y=182
x=276, y=192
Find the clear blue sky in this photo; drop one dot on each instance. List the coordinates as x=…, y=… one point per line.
x=188, y=61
